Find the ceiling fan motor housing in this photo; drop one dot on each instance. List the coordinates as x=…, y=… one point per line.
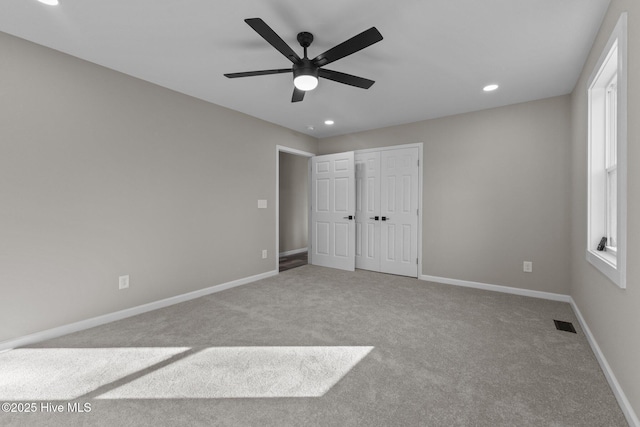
x=305, y=68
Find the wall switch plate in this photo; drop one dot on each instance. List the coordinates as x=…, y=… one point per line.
x=264, y=254
x=123, y=282
x=527, y=266
x=262, y=204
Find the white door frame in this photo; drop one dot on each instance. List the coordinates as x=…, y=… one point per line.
x=419, y=145
x=283, y=149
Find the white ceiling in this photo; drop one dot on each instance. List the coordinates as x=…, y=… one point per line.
x=435, y=58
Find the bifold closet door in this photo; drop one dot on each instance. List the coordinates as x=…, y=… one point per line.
x=333, y=211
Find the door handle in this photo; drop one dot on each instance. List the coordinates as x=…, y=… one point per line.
x=386, y=218
x=376, y=218
x=349, y=217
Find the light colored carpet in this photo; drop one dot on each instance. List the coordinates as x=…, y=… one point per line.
x=173, y=373
x=413, y=354
x=236, y=372
x=69, y=373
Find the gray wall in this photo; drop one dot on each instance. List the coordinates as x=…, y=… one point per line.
x=613, y=315
x=496, y=192
x=294, y=201
x=103, y=175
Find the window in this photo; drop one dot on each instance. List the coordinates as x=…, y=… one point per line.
x=611, y=163
x=606, y=234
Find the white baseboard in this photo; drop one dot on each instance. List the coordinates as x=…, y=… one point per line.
x=498, y=288
x=624, y=403
x=293, y=252
x=123, y=314
x=621, y=397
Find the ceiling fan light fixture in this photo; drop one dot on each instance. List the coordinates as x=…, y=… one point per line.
x=305, y=75
x=305, y=82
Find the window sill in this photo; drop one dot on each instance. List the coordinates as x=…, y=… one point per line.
x=607, y=257
x=607, y=264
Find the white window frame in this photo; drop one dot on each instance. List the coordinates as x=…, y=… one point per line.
x=607, y=147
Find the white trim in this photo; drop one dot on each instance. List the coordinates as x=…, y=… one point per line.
x=294, y=252
x=282, y=148
x=624, y=403
x=420, y=205
x=498, y=288
x=293, y=151
x=123, y=314
x=389, y=147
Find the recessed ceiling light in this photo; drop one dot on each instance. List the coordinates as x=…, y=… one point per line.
x=329, y=122
x=310, y=127
x=490, y=88
x=49, y=2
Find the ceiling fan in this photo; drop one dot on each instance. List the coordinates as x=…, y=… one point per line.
x=306, y=71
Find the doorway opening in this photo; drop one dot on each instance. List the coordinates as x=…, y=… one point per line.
x=292, y=207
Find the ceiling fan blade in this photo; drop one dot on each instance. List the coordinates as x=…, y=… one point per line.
x=298, y=95
x=258, y=73
x=347, y=79
x=353, y=45
x=272, y=38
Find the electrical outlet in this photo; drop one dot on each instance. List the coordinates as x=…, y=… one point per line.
x=527, y=266
x=123, y=282
x=264, y=254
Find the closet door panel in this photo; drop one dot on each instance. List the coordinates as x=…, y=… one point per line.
x=399, y=211
x=367, y=207
x=333, y=201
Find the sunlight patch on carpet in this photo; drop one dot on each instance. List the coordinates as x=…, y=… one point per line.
x=246, y=372
x=68, y=373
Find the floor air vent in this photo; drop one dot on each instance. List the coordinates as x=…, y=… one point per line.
x=564, y=326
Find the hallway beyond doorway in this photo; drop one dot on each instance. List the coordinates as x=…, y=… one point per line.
x=292, y=261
